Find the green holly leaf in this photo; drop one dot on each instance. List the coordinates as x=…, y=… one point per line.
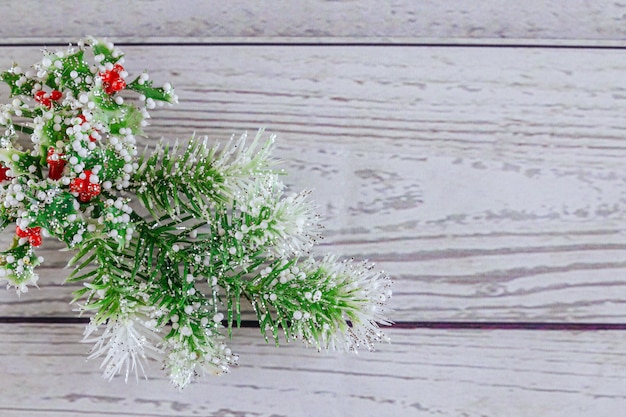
x=74, y=73
x=108, y=54
x=155, y=93
x=17, y=87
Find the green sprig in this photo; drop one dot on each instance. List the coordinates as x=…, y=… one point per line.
x=169, y=244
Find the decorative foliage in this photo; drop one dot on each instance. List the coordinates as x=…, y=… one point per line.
x=169, y=242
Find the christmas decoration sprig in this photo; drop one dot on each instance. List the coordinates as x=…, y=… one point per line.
x=170, y=241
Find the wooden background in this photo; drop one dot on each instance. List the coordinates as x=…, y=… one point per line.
x=475, y=152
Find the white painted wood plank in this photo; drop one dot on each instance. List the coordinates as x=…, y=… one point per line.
x=426, y=373
x=424, y=21
x=489, y=183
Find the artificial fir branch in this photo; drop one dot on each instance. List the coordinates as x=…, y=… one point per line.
x=170, y=242
x=198, y=178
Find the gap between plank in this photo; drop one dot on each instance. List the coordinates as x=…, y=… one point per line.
x=345, y=42
x=434, y=325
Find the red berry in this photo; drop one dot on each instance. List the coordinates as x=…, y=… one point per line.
x=55, y=95
x=21, y=232
x=85, y=188
x=35, y=240
x=47, y=99
x=33, y=234
x=55, y=164
x=3, y=173
x=93, y=189
x=112, y=81
x=43, y=98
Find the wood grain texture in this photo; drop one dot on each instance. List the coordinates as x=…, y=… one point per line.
x=425, y=373
x=424, y=21
x=488, y=182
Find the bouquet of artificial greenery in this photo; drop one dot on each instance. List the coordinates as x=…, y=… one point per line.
x=169, y=241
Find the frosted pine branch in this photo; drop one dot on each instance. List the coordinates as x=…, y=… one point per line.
x=166, y=244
